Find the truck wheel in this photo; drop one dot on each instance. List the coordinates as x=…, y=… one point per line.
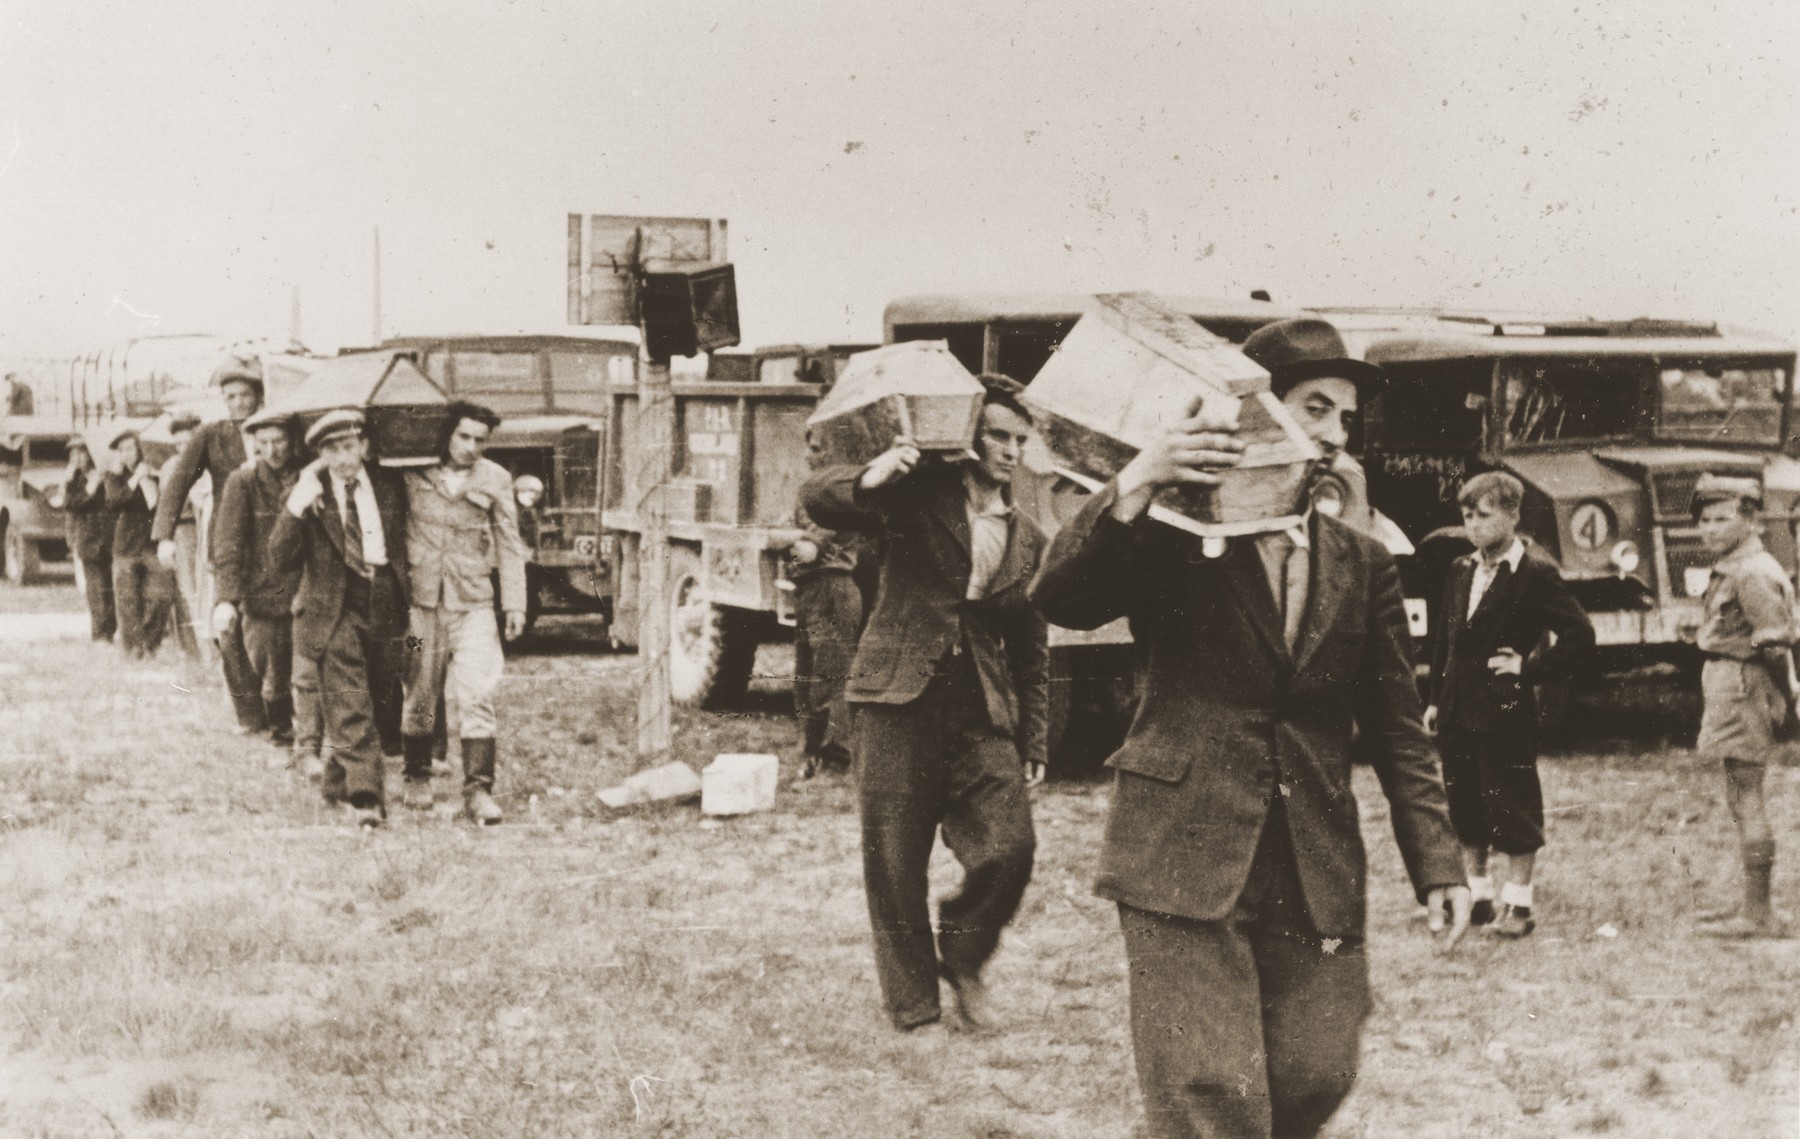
x=712, y=648
x=21, y=557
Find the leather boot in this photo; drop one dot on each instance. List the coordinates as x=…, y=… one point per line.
x=416, y=757
x=478, y=782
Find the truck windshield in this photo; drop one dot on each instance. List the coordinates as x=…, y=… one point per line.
x=578, y=381
x=1712, y=404
x=507, y=382
x=1554, y=401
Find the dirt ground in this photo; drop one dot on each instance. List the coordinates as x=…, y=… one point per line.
x=193, y=947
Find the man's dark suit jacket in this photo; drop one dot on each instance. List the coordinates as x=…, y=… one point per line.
x=314, y=544
x=131, y=517
x=216, y=449
x=254, y=498
x=1515, y=612
x=922, y=525
x=1230, y=717
x=90, y=525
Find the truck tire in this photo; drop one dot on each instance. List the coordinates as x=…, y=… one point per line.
x=21, y=557
x=712, y=648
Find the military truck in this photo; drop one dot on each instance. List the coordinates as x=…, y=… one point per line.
x=1607, y=423
x=34, y=461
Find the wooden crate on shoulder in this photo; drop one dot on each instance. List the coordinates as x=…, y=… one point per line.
x=1135, y=366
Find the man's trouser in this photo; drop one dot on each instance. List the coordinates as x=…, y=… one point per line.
x=269, y=644
x=97, y=583
x=338, y=680
x=453, y=662
x=939, y=762
x=241, y=680
x=142, y=594
x=828, y=611
x=1491, y=783
x=1249, y=1027
x=187, y=588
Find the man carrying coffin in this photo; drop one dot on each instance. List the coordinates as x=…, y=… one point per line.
x=1233, y=847
x=256, y=596
x=463, y=531
x=949, y=680
x=215, y=450
x=344, y=529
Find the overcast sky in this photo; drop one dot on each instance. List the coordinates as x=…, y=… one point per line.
x=181, y=165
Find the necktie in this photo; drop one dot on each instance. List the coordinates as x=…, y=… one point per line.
x=1293, y=593
x=353, y=535
x=1285, y=563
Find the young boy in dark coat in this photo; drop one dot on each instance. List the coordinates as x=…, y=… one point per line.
x=1488, y=650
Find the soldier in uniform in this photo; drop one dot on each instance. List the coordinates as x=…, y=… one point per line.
x=463, y=524
x=256, y=596
x=344, y=529
x=950, y=684
x=1747, y=637
x=90, y=531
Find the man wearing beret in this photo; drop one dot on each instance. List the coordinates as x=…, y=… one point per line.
x=1747, y=637
x=255, y=595
x=344, y=529
x=216, y=450
x=463, y=530
x=1234, y=849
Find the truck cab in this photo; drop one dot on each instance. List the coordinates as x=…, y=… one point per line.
x=34, y=460
x=1608, y=424
x=550, y=394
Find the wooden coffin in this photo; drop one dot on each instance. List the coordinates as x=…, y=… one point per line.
x=404, y=408
x=1133, y=367
x=917, y=389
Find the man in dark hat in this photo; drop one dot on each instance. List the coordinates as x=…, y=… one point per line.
x=216, y=450
x=255, y=594
x=344, y=529
x=90, y=531
x=1747, y=636
x=950, y=683
x=1234, y=848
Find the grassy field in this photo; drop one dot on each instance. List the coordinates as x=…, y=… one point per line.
x=192, y=947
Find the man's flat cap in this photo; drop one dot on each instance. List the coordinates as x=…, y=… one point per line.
x=268, y=417
x=1726, y=488
x=331, y=425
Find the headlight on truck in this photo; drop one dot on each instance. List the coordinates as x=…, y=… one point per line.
x=1624, y=558
x=528, y=489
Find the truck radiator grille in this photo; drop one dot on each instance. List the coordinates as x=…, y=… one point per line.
x=1674, y=491
x=1687, y=552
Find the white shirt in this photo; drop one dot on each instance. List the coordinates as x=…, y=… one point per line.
x=374, y=545
x=1485, y=574
x=987, y=537
x=454, y=480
